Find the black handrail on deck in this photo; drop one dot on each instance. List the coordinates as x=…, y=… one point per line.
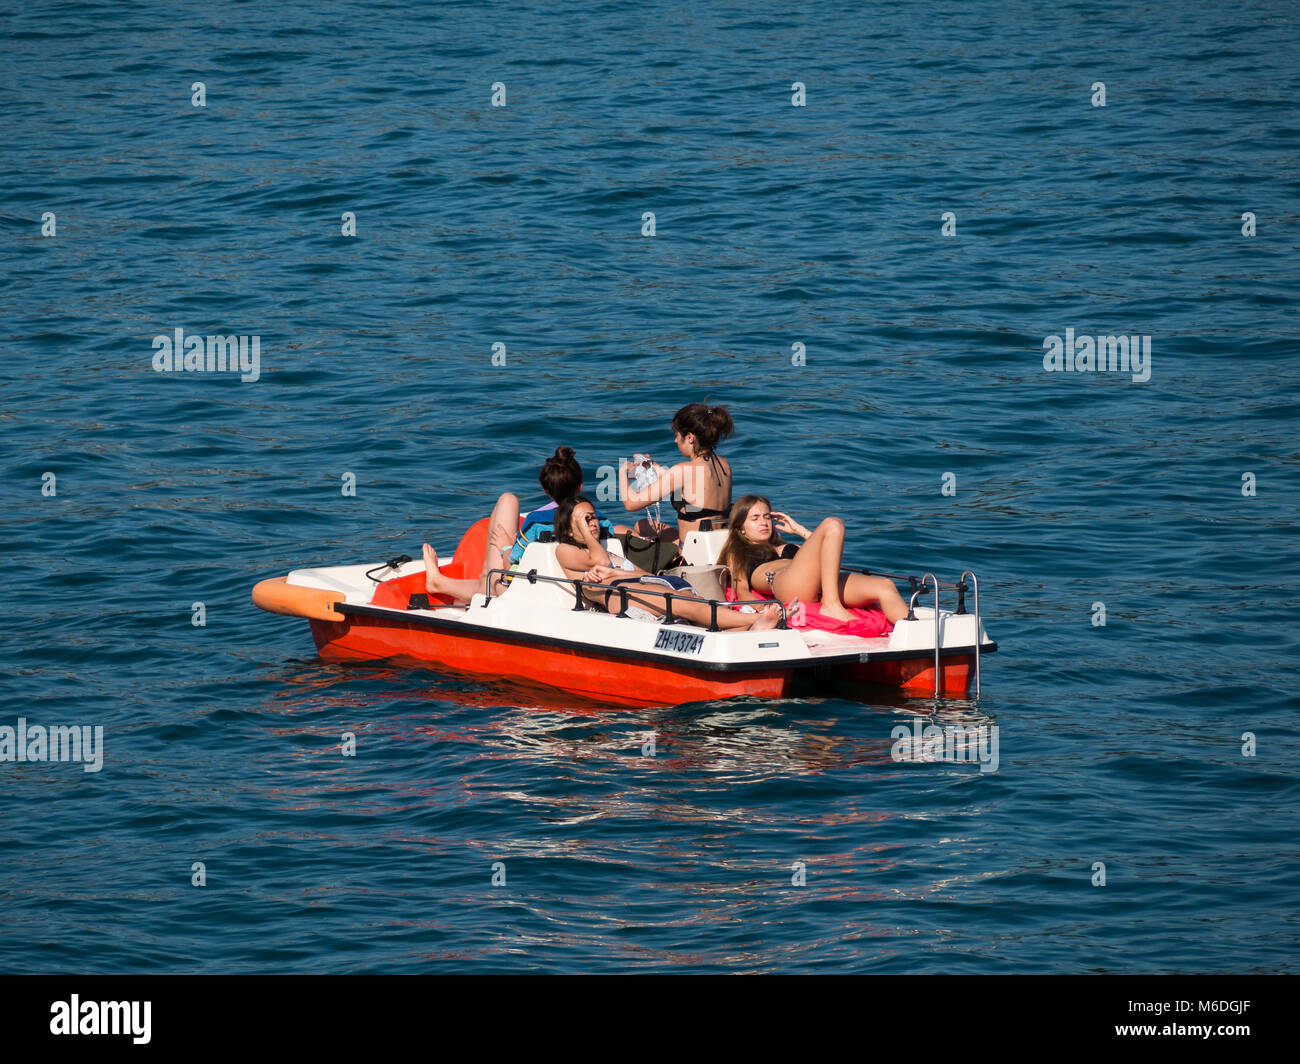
x=532, y=576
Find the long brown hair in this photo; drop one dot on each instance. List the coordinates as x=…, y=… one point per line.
x=739, y=554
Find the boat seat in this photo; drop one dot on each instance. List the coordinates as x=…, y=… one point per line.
x=541, y=556
x=703, y=548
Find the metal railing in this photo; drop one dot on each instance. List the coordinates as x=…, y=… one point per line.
x=919, y=589
x=913, y=581
x=961, y=608
x=624, y=594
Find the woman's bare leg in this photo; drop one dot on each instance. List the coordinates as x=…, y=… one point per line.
x=814, y=573
x=728, y=619
x=832, y=557
x=697, y=611
x=503, y=527
x=857, y=589
x=503, y=530
x=436, y=584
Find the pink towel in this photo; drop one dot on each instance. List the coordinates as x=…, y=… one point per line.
x=867, y=621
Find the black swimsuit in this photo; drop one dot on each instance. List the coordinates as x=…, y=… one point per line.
x=788, y=550
x=688, y=511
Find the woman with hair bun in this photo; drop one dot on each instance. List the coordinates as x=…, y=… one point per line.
x=698, y=488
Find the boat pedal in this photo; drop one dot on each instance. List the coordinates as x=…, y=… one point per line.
x=418, y=602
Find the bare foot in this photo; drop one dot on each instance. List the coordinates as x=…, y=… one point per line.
x=769, y=617
x=839, y=613
x=432, y=575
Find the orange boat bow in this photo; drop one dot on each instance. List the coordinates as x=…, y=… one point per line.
x=276, y=595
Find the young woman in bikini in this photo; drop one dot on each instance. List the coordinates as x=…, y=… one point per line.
x=576, y=523
x=764, y=566
x=698, y=488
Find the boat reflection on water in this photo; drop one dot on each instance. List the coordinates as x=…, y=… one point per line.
x=701, y=815
x=736, y=739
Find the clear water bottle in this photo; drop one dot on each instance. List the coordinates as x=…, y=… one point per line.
x=641, y=475
x=643, y=472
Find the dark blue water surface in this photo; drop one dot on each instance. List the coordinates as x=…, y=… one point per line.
x=775, y=225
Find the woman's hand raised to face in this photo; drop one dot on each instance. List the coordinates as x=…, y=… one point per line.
x=786, y=523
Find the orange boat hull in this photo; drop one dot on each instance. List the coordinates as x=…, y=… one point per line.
x=613, y=679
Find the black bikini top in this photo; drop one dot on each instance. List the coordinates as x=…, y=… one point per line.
x=687, y=511
x=787, y=550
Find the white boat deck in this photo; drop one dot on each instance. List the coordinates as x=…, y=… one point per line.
x=544, y=609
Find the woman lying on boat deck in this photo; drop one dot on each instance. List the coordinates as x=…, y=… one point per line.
x=699, y=488
x=576, y=524
x=560, y=478
x=764, y=566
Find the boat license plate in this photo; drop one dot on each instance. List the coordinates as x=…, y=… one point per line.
x=678, y=641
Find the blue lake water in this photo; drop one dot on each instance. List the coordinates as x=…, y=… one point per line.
x=1170, y=501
